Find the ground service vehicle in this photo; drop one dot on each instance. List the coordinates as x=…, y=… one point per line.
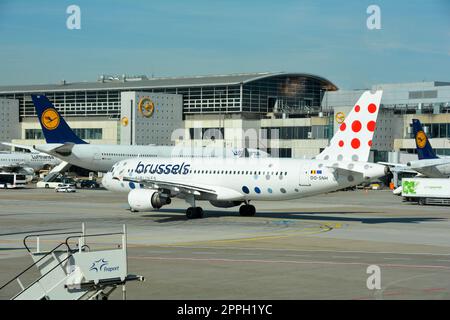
x=11, y=180
x=427, y=190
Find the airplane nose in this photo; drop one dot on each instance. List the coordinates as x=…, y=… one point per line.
x=106, y=178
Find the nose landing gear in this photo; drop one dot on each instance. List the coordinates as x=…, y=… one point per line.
x=247, y=210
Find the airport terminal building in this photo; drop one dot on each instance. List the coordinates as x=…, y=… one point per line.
x=287, y=114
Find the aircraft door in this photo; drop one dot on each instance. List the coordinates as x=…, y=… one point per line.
x=97, y=154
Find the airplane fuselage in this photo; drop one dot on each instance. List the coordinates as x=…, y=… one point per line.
x=35, y=161
x=244, y=179
x=103, y=157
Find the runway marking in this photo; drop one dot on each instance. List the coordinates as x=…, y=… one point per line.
x=397, y=258
x=431, y=290
x=381, y=293
x=297, y=255
x=344, y=257
x=443, y=260
x=183, y=245
x=287, y=261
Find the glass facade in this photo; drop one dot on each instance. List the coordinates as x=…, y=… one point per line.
x=433, y=130
x=83, y=133
x=439, y=151
x=288, y=93
x=295, y=133
x=285, y=94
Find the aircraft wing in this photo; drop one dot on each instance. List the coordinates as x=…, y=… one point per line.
x=428, y=163
x=398, y=167
x=173, y=186
x=345, y=171
x=55, y=148
x=30, y=148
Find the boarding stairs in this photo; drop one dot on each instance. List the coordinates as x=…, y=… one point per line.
x=72, y=271
x=56, y=172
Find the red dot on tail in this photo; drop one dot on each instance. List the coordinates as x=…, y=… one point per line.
x=343, y=126
x=370, y=143
x=372, y=108
x=371, y=125
x=356, y=126
x=356, y=143
x=341, y=143
x=357, y=108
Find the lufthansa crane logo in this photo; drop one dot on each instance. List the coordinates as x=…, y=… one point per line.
x=340, y=117
x=146, y=107
x=50, y=119
x=421, y=139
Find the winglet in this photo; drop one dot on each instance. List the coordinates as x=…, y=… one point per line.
x=423, y=146
x=353, y=140
x=54, y=127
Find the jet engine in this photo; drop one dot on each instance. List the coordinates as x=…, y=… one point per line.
x=147, y=200
x=225, y=204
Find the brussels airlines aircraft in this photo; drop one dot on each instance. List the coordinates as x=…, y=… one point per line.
x=232, y=182
x=64, y=144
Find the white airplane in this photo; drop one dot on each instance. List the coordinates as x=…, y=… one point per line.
x=428, y=164
x=26, y=163
x=64, y=144
x=231, y=182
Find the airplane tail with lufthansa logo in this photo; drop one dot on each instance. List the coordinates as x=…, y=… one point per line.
x=54, y=127
x=423, y=146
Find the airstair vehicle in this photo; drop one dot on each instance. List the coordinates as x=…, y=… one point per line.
x=57, y=171
x=72, y=270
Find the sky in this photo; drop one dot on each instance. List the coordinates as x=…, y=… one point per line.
x=184, y=38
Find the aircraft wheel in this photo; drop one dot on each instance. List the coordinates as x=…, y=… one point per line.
x=194, y=213
x=199, y=213
x=247, y=210
x=190, y=213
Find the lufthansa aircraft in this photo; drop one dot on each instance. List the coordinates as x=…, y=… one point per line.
x=26, y=163
x=64, y=144
x=429, y=165
x=232, y=182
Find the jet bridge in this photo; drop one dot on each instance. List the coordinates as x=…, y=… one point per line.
x=71, y=270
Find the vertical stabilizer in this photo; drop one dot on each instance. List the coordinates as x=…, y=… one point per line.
x=353, y=139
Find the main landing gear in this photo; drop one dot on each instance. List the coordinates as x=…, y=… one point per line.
x=247, y=210
x=194, y=213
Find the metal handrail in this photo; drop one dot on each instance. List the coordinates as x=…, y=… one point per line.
x=45, y=234
x=69, y=251
x=41, y=277
x=90, y=235
x=44, y=256
x=35, y=263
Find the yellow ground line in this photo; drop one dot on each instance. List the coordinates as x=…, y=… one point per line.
x=322, y=228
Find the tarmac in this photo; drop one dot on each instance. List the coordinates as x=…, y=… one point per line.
x=313, y=248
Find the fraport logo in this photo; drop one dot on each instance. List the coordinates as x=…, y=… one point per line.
x=102, y=266
x=237, y=152
x=162, y=168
